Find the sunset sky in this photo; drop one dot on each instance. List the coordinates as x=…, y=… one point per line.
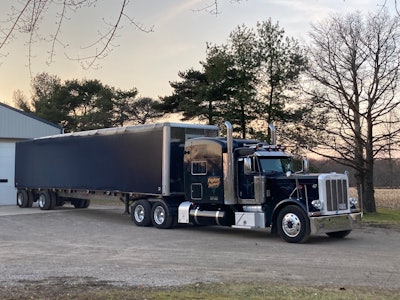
x=149, y=61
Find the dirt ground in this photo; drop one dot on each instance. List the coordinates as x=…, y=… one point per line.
x=67, y=249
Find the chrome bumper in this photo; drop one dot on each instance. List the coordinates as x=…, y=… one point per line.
x=324, y=224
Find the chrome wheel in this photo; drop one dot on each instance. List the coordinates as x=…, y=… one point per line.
x=291, y=225
x=159, y=215
x=139, y=213
x=20, y=199
x=42, y=201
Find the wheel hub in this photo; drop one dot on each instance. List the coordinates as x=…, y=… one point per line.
x=139, y=213
x=291, y=225
x=159, y=215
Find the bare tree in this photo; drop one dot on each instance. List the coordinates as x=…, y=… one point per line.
x=355, y=62
x=27, y=16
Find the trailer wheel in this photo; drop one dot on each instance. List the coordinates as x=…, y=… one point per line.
x=47, y=200
x=161, y=217
x=293, y=225
x=24, y=199
x=339, y=234
x=80, y=203
x=141, y=213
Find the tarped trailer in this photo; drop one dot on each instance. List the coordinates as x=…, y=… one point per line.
x=145, y=160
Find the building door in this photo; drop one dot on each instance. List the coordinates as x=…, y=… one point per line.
x=7, y=167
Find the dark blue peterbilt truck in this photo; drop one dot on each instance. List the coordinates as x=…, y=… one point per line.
x=170, y=173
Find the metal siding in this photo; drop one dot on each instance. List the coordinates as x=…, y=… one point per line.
x=18, y=125
x=7, y=159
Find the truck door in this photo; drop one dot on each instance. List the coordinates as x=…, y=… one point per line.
x=245, y=179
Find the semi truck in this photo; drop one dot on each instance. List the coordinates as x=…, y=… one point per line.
x=174, y=173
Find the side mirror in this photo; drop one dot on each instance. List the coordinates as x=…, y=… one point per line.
x=247, y=165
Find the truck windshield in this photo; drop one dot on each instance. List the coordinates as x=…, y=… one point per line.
x=274, y=165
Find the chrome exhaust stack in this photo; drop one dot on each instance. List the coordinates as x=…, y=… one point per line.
x=229, y=177
x=272, y=131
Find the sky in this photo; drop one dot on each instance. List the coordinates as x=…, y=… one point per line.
x=149, y=61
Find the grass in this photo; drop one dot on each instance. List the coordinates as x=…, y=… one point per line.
x=260, y=291
x=384, y=217
x=215, y=291
x=388, y=208
x=387, y=198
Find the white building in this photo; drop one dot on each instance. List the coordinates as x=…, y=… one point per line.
x=16, y=125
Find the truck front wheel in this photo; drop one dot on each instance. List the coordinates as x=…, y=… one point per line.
x=293, y=225
x=161, y=217
x=141, y=213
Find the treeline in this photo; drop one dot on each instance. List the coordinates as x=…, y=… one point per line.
x=87, y=104
x=385, y=171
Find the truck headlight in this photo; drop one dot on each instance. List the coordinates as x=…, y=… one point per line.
x=353, y=201
x=317, y=204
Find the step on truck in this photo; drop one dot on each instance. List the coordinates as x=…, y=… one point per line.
x=175, y=173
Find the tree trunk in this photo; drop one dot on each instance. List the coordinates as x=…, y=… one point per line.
x=369, y=197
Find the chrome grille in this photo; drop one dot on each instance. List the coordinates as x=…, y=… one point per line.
x=336, y=194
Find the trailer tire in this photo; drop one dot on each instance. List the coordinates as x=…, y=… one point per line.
x=24, y=199
x=80, y=203
x=293, y=225
x=339, y=234
x=161, y=218
x=46, y=200
x=141, y=213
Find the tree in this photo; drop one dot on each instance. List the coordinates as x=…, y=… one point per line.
x=255, y=75
x=241, y=48
x=84, y=104
x=187, y=96
x=281, y=63
x=355, y=63
x=26, y=17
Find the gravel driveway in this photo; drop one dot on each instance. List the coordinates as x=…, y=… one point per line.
x=102, y=244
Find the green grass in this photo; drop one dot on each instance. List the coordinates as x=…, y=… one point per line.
x=258, y=291
x=384, y=217
x=215, y=291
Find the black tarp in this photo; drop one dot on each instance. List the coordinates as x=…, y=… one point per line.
x=129, y=162
x=125, y=160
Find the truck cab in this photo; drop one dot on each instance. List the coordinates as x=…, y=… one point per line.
x=251, y=184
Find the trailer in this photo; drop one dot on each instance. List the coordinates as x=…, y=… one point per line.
x=170, y=173
x=120, y=163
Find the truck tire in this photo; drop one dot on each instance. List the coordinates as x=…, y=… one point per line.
x=339, y=234
x=80, y=203
x=24, y=199
x=293, y=225
x=161, y=217
x=141, y=213
x=46, y=200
